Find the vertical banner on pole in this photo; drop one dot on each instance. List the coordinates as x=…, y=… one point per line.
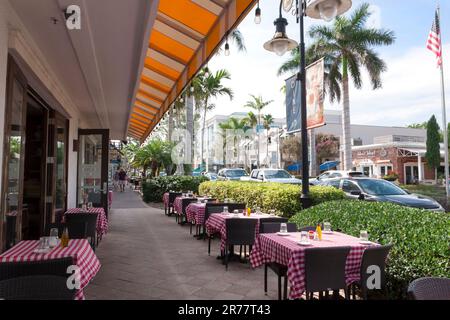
x=314, y=99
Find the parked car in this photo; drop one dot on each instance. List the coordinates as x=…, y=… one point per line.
x=273, y=175
x=212, y=176
x=370, y=189
x=231, y=174
x=333, y=174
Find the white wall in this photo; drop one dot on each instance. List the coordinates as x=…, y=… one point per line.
x=72, y=165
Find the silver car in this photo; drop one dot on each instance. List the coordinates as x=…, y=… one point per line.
x=273, y=175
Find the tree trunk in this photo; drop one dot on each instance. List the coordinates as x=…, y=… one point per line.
x=346, y=132
x=190, y=129
x=171, y=125
x=203, y=133
x=267, y=150
x=258, y=163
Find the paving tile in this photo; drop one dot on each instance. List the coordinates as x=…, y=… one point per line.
x=146, y=255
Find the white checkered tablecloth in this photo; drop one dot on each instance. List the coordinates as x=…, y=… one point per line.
x=216, y=224
x=79, y=249
x=102, y=220
x=195, y=213
x=286, y=251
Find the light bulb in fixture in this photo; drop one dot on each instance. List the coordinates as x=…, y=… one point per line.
x=328, y=9
x=258, y=14
x=227, y=49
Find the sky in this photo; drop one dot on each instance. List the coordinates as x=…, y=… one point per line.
x=411, y=86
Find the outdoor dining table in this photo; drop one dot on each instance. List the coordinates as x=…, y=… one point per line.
x=102, y=220
x=195, y=213
x=79, y=249
x=286, y=251
x=216, y=223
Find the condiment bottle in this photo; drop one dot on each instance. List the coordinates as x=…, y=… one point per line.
x=319, y=231
x=65, y=238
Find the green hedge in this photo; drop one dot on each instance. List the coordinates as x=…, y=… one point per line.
x=420, y=238
x=284, y=198
x=153, y=189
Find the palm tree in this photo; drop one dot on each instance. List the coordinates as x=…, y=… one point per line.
x=258, y=104
x=267, y=122
x=211, y=87
x=347, y=46
x=238, y=126
x=224, y=126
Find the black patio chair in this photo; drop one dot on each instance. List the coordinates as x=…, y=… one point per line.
x=218, y=208
x=429, y=288
x=53, y=267
x=279, y=269
x=36, y=288
x=307, y=229
x=240, y=232
x=270, y=220
x=325, y=270
x=172, y=195
x=210, y=209
x=181, y=218
x=372, y=256
x=59, y=226
x=82, y=226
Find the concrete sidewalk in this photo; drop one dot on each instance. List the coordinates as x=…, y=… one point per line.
x=146, y=255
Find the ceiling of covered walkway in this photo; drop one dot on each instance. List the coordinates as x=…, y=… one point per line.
x=184, y=36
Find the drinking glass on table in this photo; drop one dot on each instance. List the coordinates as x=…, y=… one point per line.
x=53, y=241
x=272, y=212
x=327, y=227
x=258, y=210
x=304, y=236
x=225, y=210
x=363, y=235
x=283, y=228
x=90, y=205
x=44, y=243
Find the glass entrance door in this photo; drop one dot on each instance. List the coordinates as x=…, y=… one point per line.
x=93, y=161
x=411, y=174
x=13, y=160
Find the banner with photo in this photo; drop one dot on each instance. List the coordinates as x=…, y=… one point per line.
x=314, y=99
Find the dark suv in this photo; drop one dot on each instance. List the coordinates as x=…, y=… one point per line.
x=370, y=189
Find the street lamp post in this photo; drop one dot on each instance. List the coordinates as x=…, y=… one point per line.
x=280, y=44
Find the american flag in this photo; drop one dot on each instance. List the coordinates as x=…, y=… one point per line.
x=434, y=43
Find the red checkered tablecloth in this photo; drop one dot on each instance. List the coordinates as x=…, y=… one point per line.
x=102, y=220
x=79, y=249
x=216, y=224
x=166, y=200
x=195, y=213
x=286, y=251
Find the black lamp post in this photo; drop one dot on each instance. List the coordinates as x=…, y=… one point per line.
x=280, y=44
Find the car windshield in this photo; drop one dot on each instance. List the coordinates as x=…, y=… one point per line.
x=356, y=174
x=380, y=187
x=236, y=173
x=277, y=174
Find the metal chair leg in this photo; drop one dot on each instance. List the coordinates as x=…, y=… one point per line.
x=285, y=287
x=279, y=287
x=209, y=245
x=265, y=278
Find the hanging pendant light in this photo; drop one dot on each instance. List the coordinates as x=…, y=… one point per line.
x=327, y=9
x=227, y=48
x=258, y=14
x=280, y=43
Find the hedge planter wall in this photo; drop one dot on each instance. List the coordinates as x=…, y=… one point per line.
x=284, y=198
x=153, y=189
x=420, y=237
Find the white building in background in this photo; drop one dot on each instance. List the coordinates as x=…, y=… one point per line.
x=246, y=153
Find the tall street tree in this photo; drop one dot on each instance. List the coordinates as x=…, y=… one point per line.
x=258, y=104
x=433, y=154
x=348, y=47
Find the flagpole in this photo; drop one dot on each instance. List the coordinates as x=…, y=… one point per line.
x=444, y=116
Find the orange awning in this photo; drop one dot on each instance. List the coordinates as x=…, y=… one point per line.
x=186, y=33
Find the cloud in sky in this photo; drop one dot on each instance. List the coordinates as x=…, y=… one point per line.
x=411, y=86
